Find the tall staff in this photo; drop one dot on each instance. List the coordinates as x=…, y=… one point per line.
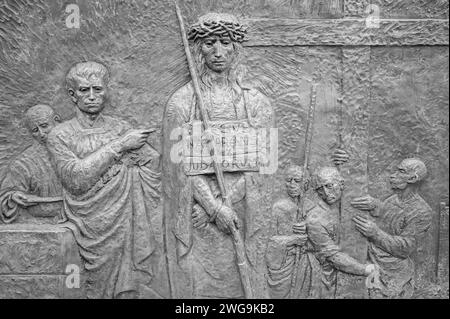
x=241, y=258
x=340, y=146
x=307, y=154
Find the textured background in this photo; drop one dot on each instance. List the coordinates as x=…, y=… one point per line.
x=394, y=95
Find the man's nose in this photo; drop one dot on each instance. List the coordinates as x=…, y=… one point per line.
x=42, y=133
x=218, y=52
x=91, y=94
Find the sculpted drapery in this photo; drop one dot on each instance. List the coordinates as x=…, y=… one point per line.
x=204, y=262
x=110, y=216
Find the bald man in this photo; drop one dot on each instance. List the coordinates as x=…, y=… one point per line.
x=30, y=191
x=399, y=223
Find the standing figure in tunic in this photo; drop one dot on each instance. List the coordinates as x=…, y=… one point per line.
x=111, y=190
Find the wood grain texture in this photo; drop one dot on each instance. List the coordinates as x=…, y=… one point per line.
x=347, y=32
x=398, y=9
x=356, y=83
x=412, y=9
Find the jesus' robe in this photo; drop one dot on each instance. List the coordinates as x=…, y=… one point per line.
x=110, y=214
x=202, y=262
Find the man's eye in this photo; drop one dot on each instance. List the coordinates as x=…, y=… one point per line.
x=297, y=180
x=98, y=88
x=35, y=130
x=226, y=42
x=45, y=125
x=83, y=89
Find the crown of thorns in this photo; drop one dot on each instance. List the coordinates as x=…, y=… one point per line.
x=202, y=29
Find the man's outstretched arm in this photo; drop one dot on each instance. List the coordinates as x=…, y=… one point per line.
x=328, y=250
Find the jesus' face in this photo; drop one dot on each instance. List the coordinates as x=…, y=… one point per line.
x=218, y=53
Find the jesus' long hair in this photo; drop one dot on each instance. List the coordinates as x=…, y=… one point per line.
x=234, y=75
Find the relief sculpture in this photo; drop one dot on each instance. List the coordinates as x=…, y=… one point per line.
x=315, y=274
x=31, y=192
x=166, y=163
x=203, y=261
x=111, y=189
x=394, y=228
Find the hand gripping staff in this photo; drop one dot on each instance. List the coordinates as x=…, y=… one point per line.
x=307, y=153
x=241, y=258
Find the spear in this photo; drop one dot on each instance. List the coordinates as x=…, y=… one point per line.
x=307, y=153
x=238, y=243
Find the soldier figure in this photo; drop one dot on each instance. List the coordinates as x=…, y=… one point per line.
x=322, y=226
x=400, y=222
x=287, y=277
x=289, y=236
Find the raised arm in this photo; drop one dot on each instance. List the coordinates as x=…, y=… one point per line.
x=403, y=244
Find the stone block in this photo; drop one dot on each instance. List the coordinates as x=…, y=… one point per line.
x=34, y=260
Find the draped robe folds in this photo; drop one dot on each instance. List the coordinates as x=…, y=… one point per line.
x=202, y=262
x=110, y=215
x=281, y=257
x=402, y=224
x=31, y=173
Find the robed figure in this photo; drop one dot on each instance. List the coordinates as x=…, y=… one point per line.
x=394, y=228
x=30, y=192
x=289, y=277
x=111, y=191
x=201, y=256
